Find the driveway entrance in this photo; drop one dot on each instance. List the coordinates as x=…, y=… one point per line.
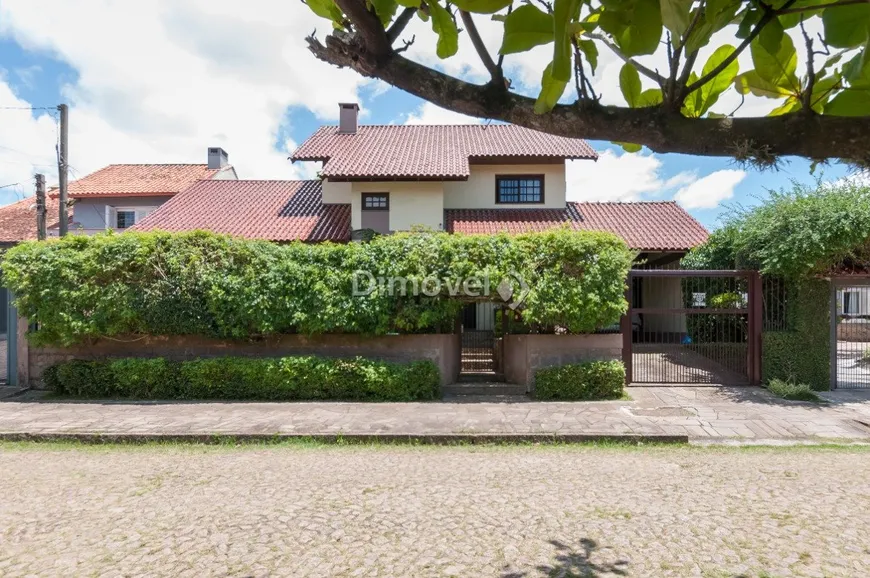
x=692, y=327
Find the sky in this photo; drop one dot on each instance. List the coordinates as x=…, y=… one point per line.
x=161, y=81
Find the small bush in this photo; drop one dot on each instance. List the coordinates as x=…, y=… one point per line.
x=581, y=381
x=791, y=390
x=286, y=378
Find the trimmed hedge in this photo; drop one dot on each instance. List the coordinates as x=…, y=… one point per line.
x=581, y=381
x=802, y=352
x=301, y=378
x=86, y=287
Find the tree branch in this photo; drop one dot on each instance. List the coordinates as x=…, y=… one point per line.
x=796, y=10
x=651, y=74
x=399, y=24
x=494, y=70
x=807, y=96
x=368, y=27
x=662, y=130
x=769, y=14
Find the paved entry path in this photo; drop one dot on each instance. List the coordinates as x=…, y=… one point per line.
x=421, y=512
x=701, y=413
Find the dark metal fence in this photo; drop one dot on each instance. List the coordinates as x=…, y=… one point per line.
x=479, y=339
x=693, y=327
x=850, y=333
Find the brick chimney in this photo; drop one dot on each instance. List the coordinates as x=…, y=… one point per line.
x=217, y=158
x=348, y=114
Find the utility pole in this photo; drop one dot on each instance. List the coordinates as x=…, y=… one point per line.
x=40, y=207
x=63, y=167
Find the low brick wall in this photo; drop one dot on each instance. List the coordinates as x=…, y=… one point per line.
x=853, y=331
x=524, y=354
x=443, y=350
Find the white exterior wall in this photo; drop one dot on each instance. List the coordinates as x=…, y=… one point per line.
x=478, y=192
x=422, y=203
x=662, y=292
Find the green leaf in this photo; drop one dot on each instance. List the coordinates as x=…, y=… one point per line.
x=629, y=83
x=709, y=93
x=444, y=26
x=635, y=25
x=775, y=58
x=850, y=103
x=823, y=89
x=857, y=69
x=525, y=28
x=651, y=97
x=326, y=9
x=590, y=51
x=792, y=104
x=409, y=3
x=482, y=6
x=551, y=91
x=629, y=147
x=692, y=104
x=385, y=9
x=847, y=26
x=717, y=14
x=563, y=14
x=751, y=82
x=676, y=16
x=793, y=19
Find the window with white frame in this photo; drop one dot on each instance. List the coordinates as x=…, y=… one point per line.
x=850, y=302
x=120, y=218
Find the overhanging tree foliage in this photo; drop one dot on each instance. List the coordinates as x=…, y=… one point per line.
x=823, y=114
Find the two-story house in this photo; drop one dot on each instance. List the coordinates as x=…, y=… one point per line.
x=119, y=196
x=483, y=179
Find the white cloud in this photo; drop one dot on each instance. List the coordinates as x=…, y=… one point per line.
x=621, y=177
x=26, y=146
x=161, y=81
x=428, y=113
x=709, y=191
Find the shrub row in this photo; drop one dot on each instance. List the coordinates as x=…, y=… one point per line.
x=286, y=378
x=581, y=381
x=81, y=287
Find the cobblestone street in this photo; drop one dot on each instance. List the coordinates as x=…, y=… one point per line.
x=296, y=510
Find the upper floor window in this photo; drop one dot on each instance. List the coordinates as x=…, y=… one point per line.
x=120, y=218
x=518, y=189
x=376, y=202
x=126, y=219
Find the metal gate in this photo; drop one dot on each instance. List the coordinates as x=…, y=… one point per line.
x=481, y=339
x=850, y=333
x=689, y=327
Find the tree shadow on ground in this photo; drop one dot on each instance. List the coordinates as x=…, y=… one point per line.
x=572, y=563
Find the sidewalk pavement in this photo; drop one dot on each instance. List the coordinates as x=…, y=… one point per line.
x=698, y=414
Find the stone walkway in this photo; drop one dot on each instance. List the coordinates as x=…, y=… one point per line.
x=421, y=512
x=697, y=413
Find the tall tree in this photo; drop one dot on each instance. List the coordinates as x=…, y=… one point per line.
x=823, y=113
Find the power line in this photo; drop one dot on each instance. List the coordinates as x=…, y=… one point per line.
x=10, y=185
x=28, y=108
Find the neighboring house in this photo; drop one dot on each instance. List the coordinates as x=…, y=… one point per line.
x=119, y=196
x=18, y=220
x=17, y=224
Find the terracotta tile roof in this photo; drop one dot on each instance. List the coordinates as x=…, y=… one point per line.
x=272, y=210
x=18, y=220
x=645, y=226
x=139, y=180
x=429, y=151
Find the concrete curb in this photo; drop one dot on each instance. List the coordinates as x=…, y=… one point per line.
x=352, y=438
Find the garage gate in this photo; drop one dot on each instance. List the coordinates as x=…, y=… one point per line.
x=693, y=327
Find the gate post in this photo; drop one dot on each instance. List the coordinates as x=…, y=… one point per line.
x=625, y=328
x=756, y=316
